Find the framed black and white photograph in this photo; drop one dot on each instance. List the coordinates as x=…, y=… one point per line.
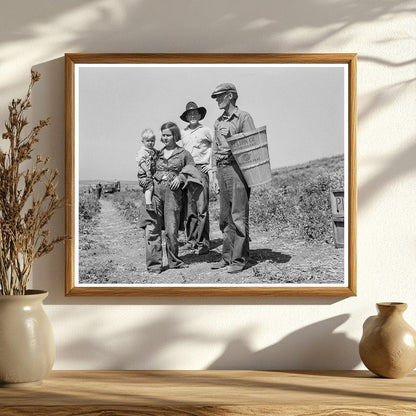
x=211, y=174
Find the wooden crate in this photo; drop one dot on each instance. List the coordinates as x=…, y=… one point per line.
x=337, y=203
x=337, y=208
x=251, y=152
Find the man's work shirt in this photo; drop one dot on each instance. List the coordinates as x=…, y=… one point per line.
x=198, y=143
x=238, y=122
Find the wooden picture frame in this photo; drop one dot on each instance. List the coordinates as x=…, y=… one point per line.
x=312, y=95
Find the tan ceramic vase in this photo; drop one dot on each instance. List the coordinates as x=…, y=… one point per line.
x=27, y=347
x=388, y=345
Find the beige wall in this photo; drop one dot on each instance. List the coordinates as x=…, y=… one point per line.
x=192, y=333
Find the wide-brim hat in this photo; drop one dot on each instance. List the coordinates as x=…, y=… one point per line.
x=193, y=106
x=223, y=88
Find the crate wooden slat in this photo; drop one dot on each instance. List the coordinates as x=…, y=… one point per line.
x=337, y=208
x=337, y=203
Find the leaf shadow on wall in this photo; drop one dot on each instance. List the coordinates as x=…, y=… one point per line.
x=152, y=345
x=316, y=346
x=135, y=26
x=395, y=167
x=402, y=163
x=48, y=100
x=146, y=345
x=238, y=29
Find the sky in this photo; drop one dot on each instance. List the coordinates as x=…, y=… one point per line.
x=302, y=106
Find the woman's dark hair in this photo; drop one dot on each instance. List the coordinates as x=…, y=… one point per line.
x=173, y=128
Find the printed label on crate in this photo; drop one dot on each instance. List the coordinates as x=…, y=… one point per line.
x=337, y=202
x=242, y=143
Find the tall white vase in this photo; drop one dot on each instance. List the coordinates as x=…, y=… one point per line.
x=27, y=346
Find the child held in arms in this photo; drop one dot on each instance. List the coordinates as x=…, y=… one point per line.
x=146, y=163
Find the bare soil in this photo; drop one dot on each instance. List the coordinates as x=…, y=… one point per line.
x=113, y=251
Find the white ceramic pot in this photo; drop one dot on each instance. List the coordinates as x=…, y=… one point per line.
x=27, y=346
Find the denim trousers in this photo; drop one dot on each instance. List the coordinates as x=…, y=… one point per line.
x=197, y=217
x=234, y=214
x=167, y=204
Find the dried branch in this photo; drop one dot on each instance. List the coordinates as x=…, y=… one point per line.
x=24, y=217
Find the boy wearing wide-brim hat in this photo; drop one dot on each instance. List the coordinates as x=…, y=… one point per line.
x=197, y=139
x=227, y=177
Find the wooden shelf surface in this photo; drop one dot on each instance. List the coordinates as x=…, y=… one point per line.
x=203, y=393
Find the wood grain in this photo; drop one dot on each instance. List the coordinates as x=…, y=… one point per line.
x=212, y=58
x=69, y=174
x=211, y=411
x=352, y=175
x=206, y=393
x=211, y=291
x=72, y=59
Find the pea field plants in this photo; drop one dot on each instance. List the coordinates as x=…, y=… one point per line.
x=290, y=231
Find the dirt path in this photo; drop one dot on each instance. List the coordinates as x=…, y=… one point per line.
x=116, y=248
x=113, y=252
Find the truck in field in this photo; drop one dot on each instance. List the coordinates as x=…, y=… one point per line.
x=111, y=187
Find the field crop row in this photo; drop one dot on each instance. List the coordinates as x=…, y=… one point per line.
x=295, y=205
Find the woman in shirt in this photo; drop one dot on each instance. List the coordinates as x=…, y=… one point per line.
x=169, y=180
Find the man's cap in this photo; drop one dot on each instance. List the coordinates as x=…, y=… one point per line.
x=192, y=106
x=222, y=88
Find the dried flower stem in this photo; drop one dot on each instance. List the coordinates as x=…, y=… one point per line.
x=23, y=217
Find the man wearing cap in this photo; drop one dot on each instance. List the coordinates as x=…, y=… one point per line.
x=197, y=140
x=227, y=177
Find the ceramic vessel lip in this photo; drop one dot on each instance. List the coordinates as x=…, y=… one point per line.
x=30, y=292
x=35, y=292
x=39, y=294
x=391, y=306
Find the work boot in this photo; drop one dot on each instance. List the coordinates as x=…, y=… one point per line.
x=219, y=265
x=235, y=268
